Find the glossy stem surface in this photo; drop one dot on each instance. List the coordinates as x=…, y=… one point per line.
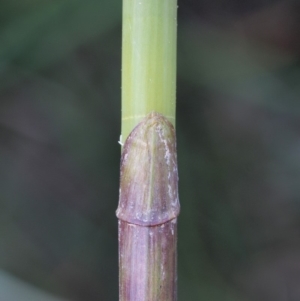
x=148, y=60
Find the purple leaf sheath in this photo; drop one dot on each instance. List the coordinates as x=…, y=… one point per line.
x=147, y=212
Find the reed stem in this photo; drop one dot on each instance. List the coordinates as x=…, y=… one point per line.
x=148, y=60
x=148, y=202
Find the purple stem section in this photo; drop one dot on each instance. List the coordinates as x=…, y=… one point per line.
x=148, y=262
x=147, y=212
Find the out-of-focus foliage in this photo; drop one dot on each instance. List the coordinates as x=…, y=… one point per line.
x=238, y=149
x=13, y=289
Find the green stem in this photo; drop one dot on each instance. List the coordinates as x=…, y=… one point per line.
x=148, y=60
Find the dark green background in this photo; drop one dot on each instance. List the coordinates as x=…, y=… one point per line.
x=238, y=133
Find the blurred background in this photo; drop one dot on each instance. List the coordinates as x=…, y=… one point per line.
x=238, y=132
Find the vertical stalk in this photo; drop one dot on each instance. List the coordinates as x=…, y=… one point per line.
x=148, y=202
x=148, y=60
x=147, y=212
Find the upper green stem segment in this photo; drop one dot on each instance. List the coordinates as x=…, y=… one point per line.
x=148, y=60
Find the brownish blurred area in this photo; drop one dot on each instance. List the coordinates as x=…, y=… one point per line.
x=238, y=130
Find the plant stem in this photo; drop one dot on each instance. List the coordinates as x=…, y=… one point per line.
x=148, y=60
x=147, y=212
x=148, y=204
